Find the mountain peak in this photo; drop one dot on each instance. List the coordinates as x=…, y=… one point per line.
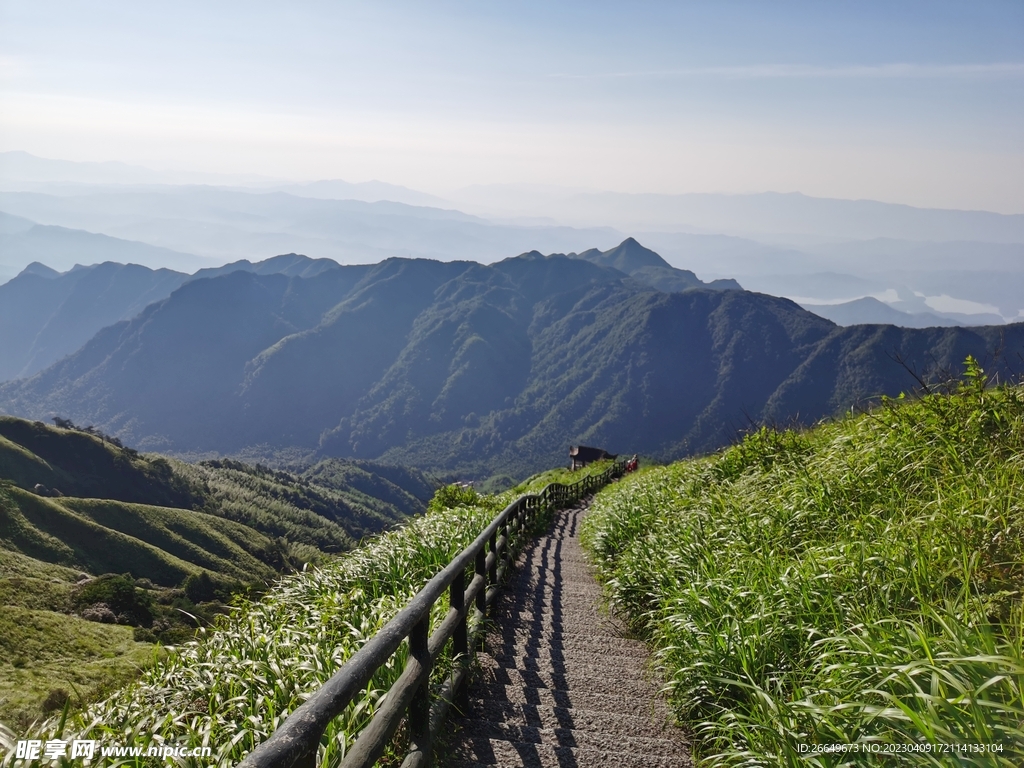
x=40, y=270
x=628, y=256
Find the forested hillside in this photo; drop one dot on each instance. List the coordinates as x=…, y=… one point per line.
x=46, y=314
x=480, y=370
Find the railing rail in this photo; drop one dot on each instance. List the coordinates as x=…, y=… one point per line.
x=296, y=742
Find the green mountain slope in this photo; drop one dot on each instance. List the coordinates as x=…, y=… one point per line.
x=77, y=463
x=478, y=369
x=326, y=508
x=75, y=508
x=164, y=545
x=46, y=314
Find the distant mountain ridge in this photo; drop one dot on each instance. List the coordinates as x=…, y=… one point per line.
x=46, y=314
x=761, y=213
x=476, y=369
x=229, y=224
x=62, y=248
x=969, y=262
x=869, y=310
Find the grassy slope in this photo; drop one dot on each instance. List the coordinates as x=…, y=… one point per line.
x=253, y=520
x=101, y=536
x=46, y=544
x=857, y=583
x=260, y=662
x=286, y=506
x=211, y=543
x=45, y=651
x=328, y=508
x=80, y=464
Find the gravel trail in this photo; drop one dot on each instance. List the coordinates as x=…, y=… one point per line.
x=559, y=684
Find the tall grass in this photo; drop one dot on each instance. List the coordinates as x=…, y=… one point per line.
x=233, y=686
x=858, y=584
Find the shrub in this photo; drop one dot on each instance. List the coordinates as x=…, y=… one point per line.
x=143, y=635
x=118, y=595
x=452, y=496
x=55, y=700
x=199, y=588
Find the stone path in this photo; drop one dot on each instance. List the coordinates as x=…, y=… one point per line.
x=559, y=684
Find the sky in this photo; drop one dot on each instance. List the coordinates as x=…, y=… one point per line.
x=910, y=102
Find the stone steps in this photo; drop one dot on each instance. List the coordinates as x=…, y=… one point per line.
x=559, y=683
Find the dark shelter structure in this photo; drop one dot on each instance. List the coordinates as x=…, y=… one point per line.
x=581, y=455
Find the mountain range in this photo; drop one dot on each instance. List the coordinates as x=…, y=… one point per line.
x=224, y=224
x=480, y=369
x=964, y=266
x=870, y=310
x=788, y=217
x=46, y=314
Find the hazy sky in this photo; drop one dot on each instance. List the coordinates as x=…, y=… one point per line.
x=921, y=103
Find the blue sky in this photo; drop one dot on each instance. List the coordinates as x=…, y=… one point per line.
x=921, y=103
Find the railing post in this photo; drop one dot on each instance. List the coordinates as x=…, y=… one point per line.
x=419, y=708
x=503, y=530
x=481, y=596
x=308, y=760
x=460, y=638
x=492, y=573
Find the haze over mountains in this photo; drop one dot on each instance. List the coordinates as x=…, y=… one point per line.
x=950, y=264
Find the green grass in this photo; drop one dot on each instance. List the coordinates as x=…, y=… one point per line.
x=285, y=506
x=859, y=583
x=236, y=683
x=208, y=542
x=562, y=475
x=81, y=464
x=42, y=651
x=98, y=536
x=325, y=508
x=240, y=524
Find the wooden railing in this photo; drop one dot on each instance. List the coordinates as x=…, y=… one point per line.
x=296, y=742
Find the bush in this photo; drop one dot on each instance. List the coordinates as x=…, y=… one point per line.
x=452, y=496
x=143, y=635
x=118, y=595
x=199, y=587
x=55, y=700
